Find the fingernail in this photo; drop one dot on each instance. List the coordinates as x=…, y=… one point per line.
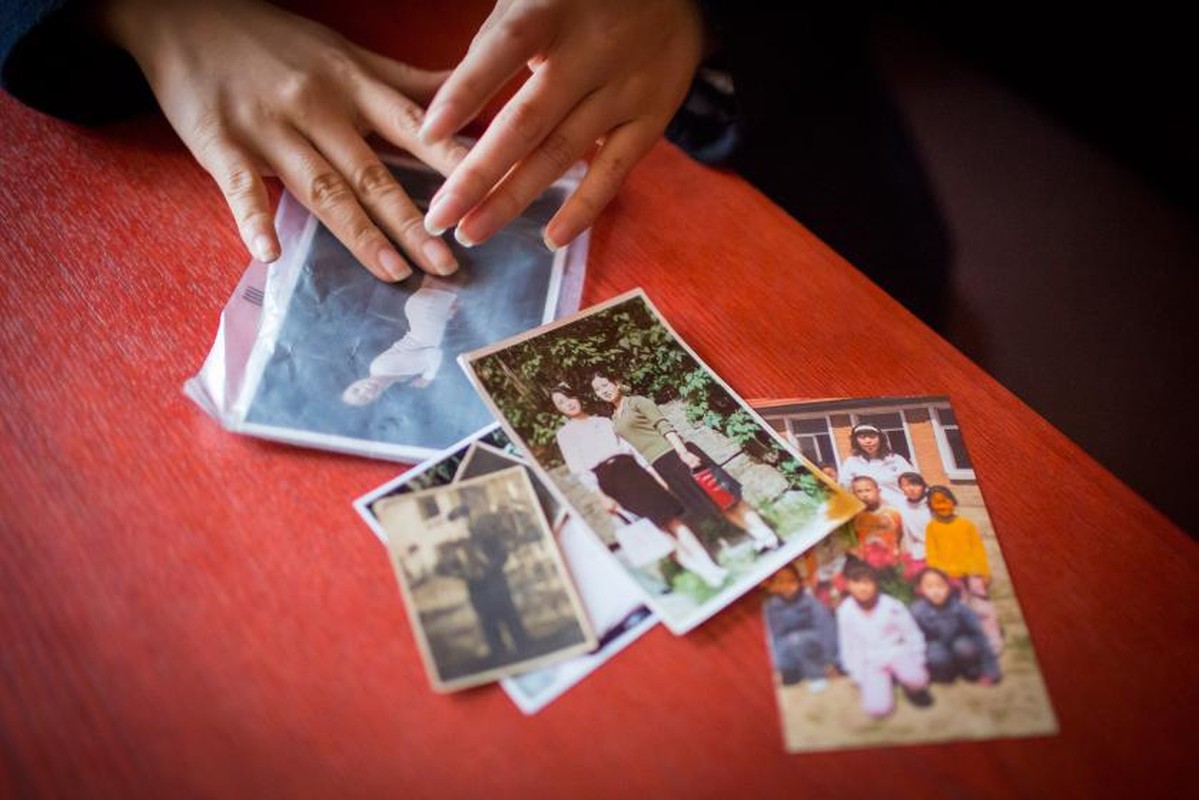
x=393, y=265
x=433, y=231
x=549, y=243
x=439, y=256
x=264, y=248
x=443, y=212
x=462, y=238
x=434, y=120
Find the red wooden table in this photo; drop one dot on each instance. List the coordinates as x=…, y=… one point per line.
x=187, y=612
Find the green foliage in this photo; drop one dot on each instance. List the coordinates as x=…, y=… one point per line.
x=629, y=344
x=793, y=510
x=625, y=341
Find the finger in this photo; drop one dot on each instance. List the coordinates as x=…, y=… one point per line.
x=497, y=54
x=418, y=84
x=245, y=193
x=378, y=193
x=397, y=119
x=322, y=189
x=621, y=149
x=525, y=120
x=557, y=152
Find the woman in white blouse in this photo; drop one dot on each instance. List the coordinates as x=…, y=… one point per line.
x=608, y=465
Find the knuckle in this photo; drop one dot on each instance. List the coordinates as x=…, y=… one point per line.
x=328, y=190
x=609, y=172
x=257, y=218
x=208, y=135
x=238, y=183
x=374, y=181
x=559, y=151
x=296, y=90
x=407, y=118
x=411, y=229
x=523, y=119
x=522, y=30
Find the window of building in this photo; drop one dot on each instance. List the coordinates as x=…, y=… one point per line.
x=949, y=442
x=812, y=437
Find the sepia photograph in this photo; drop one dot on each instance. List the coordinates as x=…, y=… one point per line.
x=613, y=603
x=344, y=361
x=682, y=482
x=903, y=626
x=485, y=587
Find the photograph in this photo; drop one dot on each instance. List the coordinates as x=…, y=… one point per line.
x=340, y=360
x=618, y=614
x=613, y=604
x=903, y=626
x=485, y=587
x=697, y=497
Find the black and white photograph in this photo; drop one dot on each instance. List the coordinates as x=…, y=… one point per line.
x=485, y=587
x=695, y=495
x=344, y=361
x=612, y=602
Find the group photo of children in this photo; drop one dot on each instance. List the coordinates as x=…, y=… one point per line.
x=902, y=624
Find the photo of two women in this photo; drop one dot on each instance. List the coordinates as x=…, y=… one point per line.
x=668, y=467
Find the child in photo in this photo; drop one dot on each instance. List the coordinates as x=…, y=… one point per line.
x=823, y=566
x=878, y=528
x=956, y=643
x=880, y=644
x=954, y=546
x=801, y=631
x=916, y=515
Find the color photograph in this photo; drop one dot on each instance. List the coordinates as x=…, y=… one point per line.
x=903, y=626
x=678, y=477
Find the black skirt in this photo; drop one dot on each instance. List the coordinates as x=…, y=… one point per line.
x=625, y=481
x=683, y=486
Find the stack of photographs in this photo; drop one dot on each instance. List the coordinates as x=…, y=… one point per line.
x=665, y=494
x=694, y=495
x=459, y=646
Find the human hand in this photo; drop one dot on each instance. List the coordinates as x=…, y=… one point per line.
x=608, y=504
x=690, y=459
x=611, y=72
x=253, y=90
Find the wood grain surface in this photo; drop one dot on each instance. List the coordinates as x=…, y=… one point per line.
x=186, y=612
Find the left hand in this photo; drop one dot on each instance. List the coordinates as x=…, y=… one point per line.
x=690, y=459
x=612, y=72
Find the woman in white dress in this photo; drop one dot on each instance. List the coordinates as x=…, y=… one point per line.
x=608, y=466
x=873, y=458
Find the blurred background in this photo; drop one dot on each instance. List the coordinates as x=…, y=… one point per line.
x=1063, y=151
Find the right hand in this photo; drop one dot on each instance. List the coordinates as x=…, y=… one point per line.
x=253, y=90
x=607, y=72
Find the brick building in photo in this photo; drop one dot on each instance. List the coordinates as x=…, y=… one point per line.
x=923, y=430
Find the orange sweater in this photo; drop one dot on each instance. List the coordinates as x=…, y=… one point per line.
x=955, y=548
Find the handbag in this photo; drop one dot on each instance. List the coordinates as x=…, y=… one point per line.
x=718, y=485
x=642, y=542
